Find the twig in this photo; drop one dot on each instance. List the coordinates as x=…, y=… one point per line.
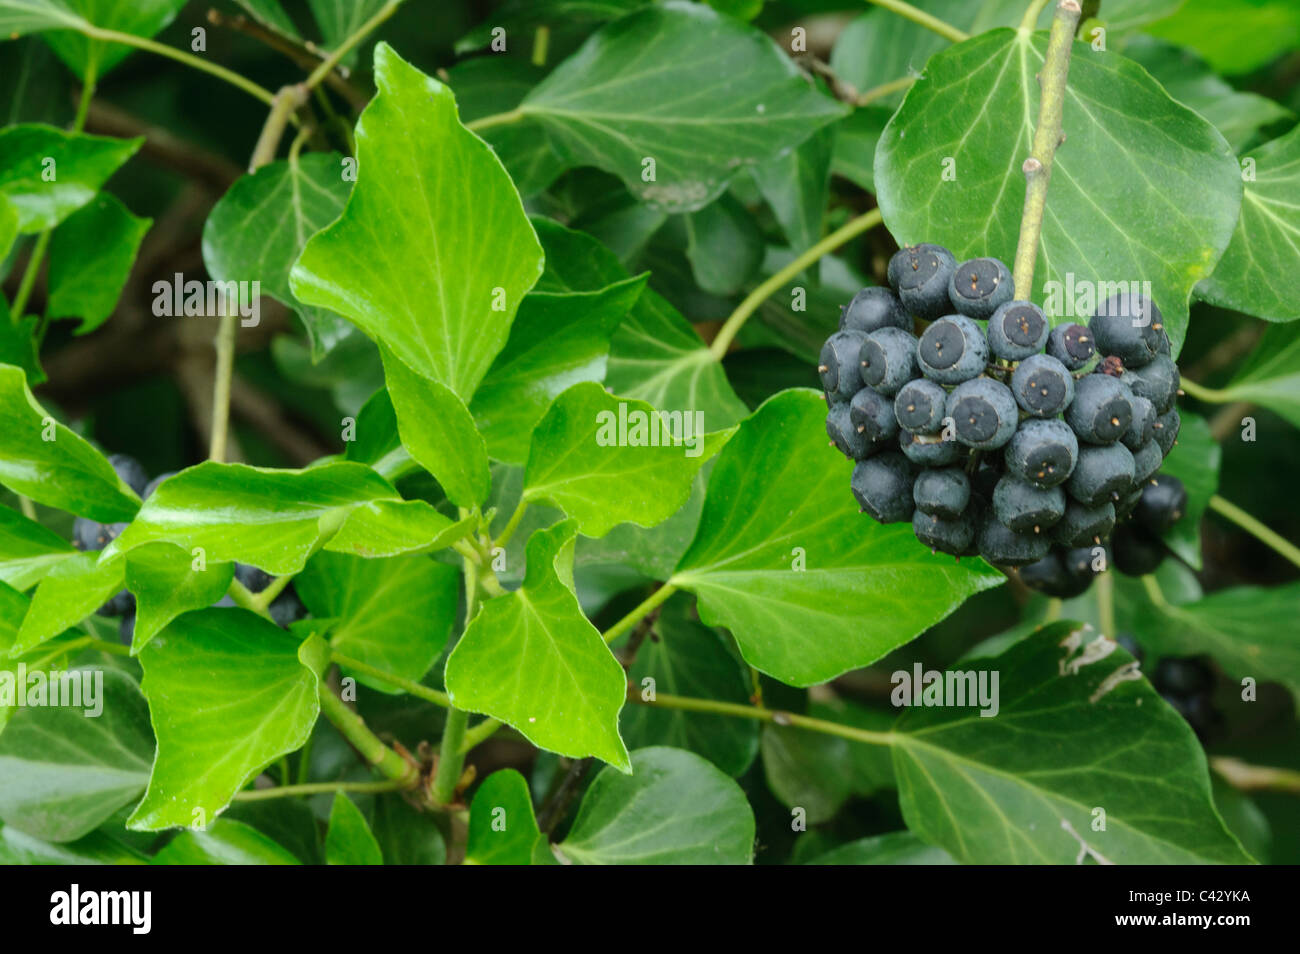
x=1047, y=136
x=557, y=806
x=215, y=171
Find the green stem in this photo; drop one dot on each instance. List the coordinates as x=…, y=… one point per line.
x=318, y=788
x=479, y=733
x=113, y=649
x=884, y=89
x=496, y=119
x=304, y=759
x=28, y=281
x=180, y=56
x=776, y=716
x=1047, y=136
x=1201, y=393
x=371, y=747
x=1251, y=778
x=451, y=757
x=1156, y=595
x=541, y=41
x=850, y=229
x=397, y=682
x=1053, y=610
x=245, y=598
x=333, y=60
x=1032, y=13
x=512, y=524
x=1271, y=538
x=648, y=605
x=27, y=507
x=262, y=601
x=920, y=17
x=1106, y=602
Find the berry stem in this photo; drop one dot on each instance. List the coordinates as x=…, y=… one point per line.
x=850, y=229
x=1202, y=393
x=1047, y=136
x=408, y=686
x=921, y=18
x=883, y=90
x=1271, y=538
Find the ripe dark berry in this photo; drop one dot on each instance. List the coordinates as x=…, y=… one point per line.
x=1163, y=503
x=952, y=350
x=130, y=470
x=1143, y=427
x=1072, y=345
x=1085, y=563
x=1157, y=381
x=1128, y=503
x=1042, y=453
x=1128, y=325
x=88, y=534
x=1017, y=330
x=840, y=364
x=1051, y=576
x=984, y=413
x=874, y=308
x=1042, y=385
x=120, y=604
x=254, y=580
x=949, y=534
x=888, y=360
x=126, y=628
x=1146, y=461
x=1101, y=410
x=920, y=406
x=942, y=493
x=979, y=286
x=150, y=487
x=883, y=487
x=872, y=415
x=920, y=275
x=287, y=608
x=929, y=450
x=1000, y=544
x=1182, y=676
x=840, y=429
x=1166, y=431
x=1104, y=473
x=1136, y=552
x=1026, y=508
x=1082, y=526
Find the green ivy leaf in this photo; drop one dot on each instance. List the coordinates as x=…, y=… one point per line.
x=394, y=614
x=490, y=85
x=520, y=17
x=685, y=658
x=439, y=433
x=1241, y=628
x=28, y=550
x=43, y=460
x=977, y=103
x=339, y=19
x=502, y=827
x=13, y=607
x=707, y=96
x=533, y=660
x=349, y=840
x=797, y=185
x=290, y=200
x=435, y=274
x=1235, y=36
x=97, y=848
x=46, y=174
x=560, y=337
x=144, y=18
x=407, y=837
x=1271, y=375
x=894, y=848
x=1257, y=274
x=166, y=584
x=777, y=495
x=70, y=592
x=223, y=842
x=8, y=229
x=675, y=808
x=65, y=770
x=271, y=13
x=227, y=694
x=723, y=244
x=91, y=256
x=227, y=509
x=656, y=357
x=583, y=460
x=1195, y=461
x=1001, y=791
x=389, y=528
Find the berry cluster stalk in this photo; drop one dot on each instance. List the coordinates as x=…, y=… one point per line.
x=1047, y=136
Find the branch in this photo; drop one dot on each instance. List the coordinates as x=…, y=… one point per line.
x=371, y=747
x=1047, y=136
x=214, y=171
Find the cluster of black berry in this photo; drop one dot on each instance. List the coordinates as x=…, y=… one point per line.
x=90, y=535
x=1186, y=683
x=1014, y=440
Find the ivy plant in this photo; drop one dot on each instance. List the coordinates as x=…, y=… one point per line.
x=423, y=461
